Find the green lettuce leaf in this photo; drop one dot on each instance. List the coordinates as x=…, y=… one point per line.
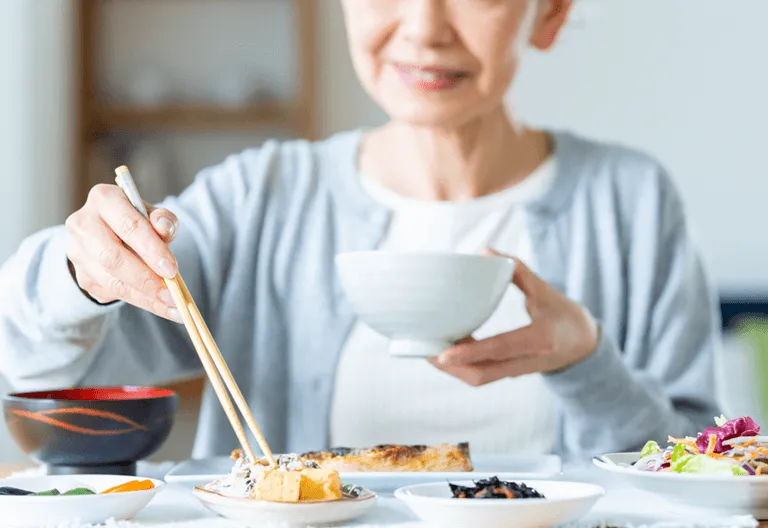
x=683, y=462
x=678, y=452
x=720, y=420
x=650, y=448
x=679, y=458
x=705, y=465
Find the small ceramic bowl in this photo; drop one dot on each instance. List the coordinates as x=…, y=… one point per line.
x=255, y=512
x=424, y=302
x=36, y=511
x=565, y=502
x=103, y=430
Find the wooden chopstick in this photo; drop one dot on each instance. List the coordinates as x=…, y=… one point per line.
x=205, y=346
x=229, y=380
x=208, y=365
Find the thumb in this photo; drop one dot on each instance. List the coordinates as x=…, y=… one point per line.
x=165, y=223
x=523, y=277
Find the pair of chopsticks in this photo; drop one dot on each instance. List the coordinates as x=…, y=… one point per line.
x=206, y=348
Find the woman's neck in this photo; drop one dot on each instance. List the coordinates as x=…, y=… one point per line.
x=460, y=163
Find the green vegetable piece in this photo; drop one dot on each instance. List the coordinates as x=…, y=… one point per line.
x=49, y=493
x=703, y=464
x=679, y=458
x=720, y=420
x=650, y=448
x=80, y=491
x=7, y=490
x=677, y=453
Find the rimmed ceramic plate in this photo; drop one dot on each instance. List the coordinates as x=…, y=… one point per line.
x=506, y=467
x=33, y=511
x=726, y=494
x=307, y=513
x=564, y=502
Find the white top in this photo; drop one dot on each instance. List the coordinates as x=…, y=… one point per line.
x=382, y=399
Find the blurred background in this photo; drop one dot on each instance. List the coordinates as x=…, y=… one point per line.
x=171, y=86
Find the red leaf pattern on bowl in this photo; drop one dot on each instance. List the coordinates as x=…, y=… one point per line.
x=45, y=417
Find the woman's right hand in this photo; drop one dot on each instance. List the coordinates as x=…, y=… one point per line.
x=116, y=254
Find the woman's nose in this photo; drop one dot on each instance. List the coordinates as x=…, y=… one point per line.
x=426, y=22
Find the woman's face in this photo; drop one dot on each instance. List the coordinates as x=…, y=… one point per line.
x=445, y=62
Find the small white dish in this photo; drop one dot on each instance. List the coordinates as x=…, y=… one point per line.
x=720, y=494
x=565, y=502
x=307, y=513
x=506, y=467
x=424, y=302
x=32, y=511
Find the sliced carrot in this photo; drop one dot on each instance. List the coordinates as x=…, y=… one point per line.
x=711, y=445
x=134, y=485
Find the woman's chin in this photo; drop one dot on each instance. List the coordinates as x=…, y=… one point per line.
x=432, y=117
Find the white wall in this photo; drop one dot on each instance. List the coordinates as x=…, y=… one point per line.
x=686, y=80
x=34, y=138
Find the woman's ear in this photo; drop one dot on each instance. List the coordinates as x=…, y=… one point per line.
x=551, y=17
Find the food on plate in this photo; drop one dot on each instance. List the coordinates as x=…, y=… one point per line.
x=314, y=476
x=50, y=493
x=293, y=480
x=396, y=458
x=493, y=488
x=731, y=447
x=47, y=493
x=8, y=490
x=79, y=491
x=133, y=485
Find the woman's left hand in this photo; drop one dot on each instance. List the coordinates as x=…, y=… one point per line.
x=561, y=333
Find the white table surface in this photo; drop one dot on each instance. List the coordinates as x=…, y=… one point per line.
x=176, y=507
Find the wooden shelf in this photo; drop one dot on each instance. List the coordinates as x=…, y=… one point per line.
x=195, y=118
x=96, y=119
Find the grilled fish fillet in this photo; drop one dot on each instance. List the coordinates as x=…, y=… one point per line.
x=395, y=458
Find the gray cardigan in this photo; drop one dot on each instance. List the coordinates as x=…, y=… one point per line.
x=256, y=244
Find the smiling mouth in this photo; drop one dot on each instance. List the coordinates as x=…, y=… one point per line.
x=430, y=78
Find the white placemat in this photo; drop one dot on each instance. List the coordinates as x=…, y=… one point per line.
x=622, y=507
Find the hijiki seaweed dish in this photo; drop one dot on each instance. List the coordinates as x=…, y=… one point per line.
x=494, y=488
x=731, y=447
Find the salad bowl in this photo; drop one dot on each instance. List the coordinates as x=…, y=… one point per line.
x=721, y=470
x=723, y=494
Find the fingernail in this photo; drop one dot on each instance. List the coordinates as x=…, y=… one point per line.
x=166, y=226
x=166, y=268
x=166, y=297
x=174, y=314
x=443, y=360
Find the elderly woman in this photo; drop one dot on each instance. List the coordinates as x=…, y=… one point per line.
x=604, y=341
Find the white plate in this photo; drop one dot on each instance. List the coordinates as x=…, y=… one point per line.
x=314, y=513
x=564, y=502
x=200, y=472
x=723, y=494
x=32, y=511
